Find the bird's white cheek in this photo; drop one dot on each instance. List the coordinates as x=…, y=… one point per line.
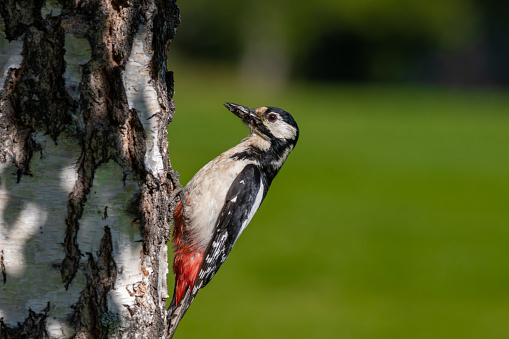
x=282, y=130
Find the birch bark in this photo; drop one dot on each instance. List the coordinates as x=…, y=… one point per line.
x=85, y=176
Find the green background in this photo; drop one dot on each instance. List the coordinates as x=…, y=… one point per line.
x=388, y=220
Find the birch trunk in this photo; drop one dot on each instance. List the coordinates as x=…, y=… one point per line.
x=85, y=177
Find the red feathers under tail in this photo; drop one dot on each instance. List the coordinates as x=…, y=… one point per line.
x=186, y=264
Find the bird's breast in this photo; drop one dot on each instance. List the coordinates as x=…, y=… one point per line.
x=206, y=193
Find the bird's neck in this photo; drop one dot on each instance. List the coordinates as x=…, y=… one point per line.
x=269, y=154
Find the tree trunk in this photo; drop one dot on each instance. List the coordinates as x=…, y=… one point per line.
x=85, y=177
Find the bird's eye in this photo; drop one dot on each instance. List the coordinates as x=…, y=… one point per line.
x=272, y=117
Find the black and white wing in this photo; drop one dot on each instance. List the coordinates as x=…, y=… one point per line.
x=242, y=201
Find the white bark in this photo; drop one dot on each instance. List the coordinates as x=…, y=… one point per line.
x=84, y=168
x=142, y=96
x=106, y=207
x=32, y=226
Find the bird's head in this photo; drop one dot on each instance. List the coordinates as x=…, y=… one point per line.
x=270, y=123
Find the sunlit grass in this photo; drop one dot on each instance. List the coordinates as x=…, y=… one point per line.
x=389, y=220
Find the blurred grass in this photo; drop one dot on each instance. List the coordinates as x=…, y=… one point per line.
x=389, y=220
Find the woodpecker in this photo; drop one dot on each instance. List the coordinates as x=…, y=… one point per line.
x=222, y=198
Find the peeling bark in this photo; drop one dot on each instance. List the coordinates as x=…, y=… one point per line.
x=85, y=176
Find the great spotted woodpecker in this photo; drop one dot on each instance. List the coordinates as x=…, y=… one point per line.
x=222, y=198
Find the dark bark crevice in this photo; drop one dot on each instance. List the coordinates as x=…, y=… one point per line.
x=34, y=326
x=164, y=27
x=39, y=97
x=16, y=144
x=20, y=14
x=92, y=318
x=2, y=266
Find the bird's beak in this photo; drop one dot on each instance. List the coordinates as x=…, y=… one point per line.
x=247, y=115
